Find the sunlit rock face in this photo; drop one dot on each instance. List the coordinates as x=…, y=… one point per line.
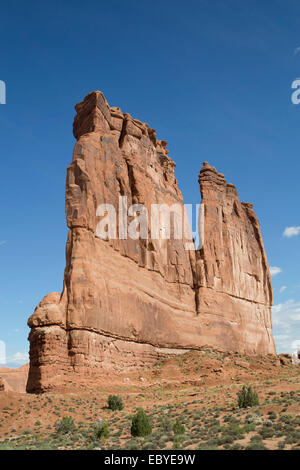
x=127, y=301
x=234, y=289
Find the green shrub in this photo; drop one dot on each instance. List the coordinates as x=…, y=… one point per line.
x=272, y=415
x=266, y=432
x=286, y=418
x=235, y=430
x=133, y=445
x=256, y=445
x=293, y=437
x=65, y=425
x=225, y=439
x=249, y=427
x=140, y=424
x=115, y=403
x=101, y=429
x=247, y=397
x=237, y=447
x=255, y=438
x=178, y=427
x=176, y=443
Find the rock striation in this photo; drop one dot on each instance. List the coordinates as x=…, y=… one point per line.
x=234, y=288
x=126, y=301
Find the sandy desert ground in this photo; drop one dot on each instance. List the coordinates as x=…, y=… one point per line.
x=197, y=388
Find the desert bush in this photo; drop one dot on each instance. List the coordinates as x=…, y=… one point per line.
x=286, y=418
x=101, y=430
x=254, y=419
x=133, y=445
x=65, y=425
x=140, y=424
x=225, y=439
x=115, y=402
x=293, y=437
x=164, y=424
x=256, y=437
x=207, y=447
x=178, y=427
x=148, y=445
x=272, y=415
x=266, y=432
x=247, y=397
x=235, y=430
x=256, y=445
x=249, y=427
x=177, y=443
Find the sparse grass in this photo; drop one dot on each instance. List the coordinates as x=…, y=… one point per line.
x=202, y=401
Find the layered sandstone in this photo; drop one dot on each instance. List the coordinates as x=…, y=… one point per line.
x=126, y=301
x=234, y=288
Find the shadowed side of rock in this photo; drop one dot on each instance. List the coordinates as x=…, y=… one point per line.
x=2, y=385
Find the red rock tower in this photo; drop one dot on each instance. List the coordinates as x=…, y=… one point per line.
x=126, y=302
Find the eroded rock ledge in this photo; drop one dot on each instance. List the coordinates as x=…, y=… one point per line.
x=126, y=302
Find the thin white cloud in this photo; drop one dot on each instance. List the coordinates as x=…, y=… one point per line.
x=2, y=242
x=275, y=270
x=18, y=359
x=297, y=50
x=286, y=323
x=296, y=344
x=282, y=289
x=296, y=316
x=291, y=231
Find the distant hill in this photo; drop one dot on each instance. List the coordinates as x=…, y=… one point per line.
x=15, y=379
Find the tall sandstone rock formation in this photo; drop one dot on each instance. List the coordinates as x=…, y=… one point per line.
x=126, y=302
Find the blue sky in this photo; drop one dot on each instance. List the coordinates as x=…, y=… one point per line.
x=212, y=77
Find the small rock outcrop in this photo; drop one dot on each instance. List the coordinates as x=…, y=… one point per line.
x=14, y=379
x=127, y=301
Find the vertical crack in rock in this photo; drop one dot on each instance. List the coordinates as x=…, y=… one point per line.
x=125, y=301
